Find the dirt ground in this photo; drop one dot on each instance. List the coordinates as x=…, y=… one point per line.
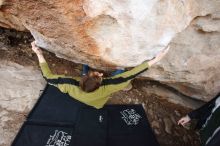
x=15, y=46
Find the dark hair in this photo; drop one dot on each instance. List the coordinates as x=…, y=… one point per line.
x=90, y=83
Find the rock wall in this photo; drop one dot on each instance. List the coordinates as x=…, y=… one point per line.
x=192, y=65
x=101, y=32
x=7, y=19
x=19, y=89
x=106, y=34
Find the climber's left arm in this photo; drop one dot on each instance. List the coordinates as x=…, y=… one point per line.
x=43, y=64
x=48, y=75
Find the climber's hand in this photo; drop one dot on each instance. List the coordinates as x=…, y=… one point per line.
x=36, y=49
x=159, y=56
x=184, y=120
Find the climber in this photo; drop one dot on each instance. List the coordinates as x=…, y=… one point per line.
x=208, y=122
x=92, y=89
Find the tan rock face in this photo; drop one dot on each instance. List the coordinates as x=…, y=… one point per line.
x=110, y=33
x=19, y=89
x=192, y=65
x=10, y=21
x=101, y=32
x=7, y=19
x=20, y=86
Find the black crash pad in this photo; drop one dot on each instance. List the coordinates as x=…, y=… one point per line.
x=59, y=120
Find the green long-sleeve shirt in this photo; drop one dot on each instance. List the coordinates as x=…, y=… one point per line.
x=99, y=97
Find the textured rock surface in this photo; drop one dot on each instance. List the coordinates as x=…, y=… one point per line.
x=10, y=21
x=107, y=32
x=192, y=65
x=125, y=33
x=19, y=88
x=172, y=96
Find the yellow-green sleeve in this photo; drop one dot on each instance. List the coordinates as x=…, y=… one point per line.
x=54, y=78
x=134, y=72
x=47, y=72
x=120, y=81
